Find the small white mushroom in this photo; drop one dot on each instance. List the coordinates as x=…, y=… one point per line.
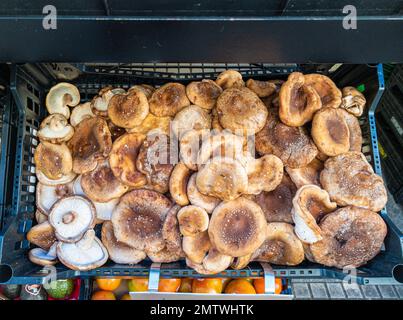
x=60, y=97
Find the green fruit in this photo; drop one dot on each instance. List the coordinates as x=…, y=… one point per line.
x=33, y=292
x=61, y=288
x=12, y=291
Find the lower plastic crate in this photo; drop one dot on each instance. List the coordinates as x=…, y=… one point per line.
x=29, y=85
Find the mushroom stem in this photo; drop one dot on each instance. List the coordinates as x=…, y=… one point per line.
x=86, y=242
x=69, y=217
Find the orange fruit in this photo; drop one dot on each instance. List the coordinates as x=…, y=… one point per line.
x=126, y=296
x=225, y=281
x=186, y=285
x=240, y=286
x=103, y=295
x=259, y=285
x=207, y=285
x=108, y=284
x=137, y=284
x=169, y=285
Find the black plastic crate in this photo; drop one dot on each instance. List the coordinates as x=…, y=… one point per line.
x=29, y=85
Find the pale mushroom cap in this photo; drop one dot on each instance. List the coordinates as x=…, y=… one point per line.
x=46, y=196
x=71, y=217
x=80, y=113
x=216, y=262
x=237, y=227
x=40, y=216
x=192, y=220
x=309, y=174
x=105, y=209
x=190, y=118
x=42, y=178
x=199, y=199
x=178, y=183
x=189, y=146
x=55, y=128
x=60, y=97
x=100, y=103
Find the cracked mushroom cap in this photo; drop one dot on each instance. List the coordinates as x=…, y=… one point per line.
x=71, y=217
x=329, y=94
x=196, y=247
x=263, y=89
x=91, y=142
x=123, y=157
x=281, y=246
x=100, y=184
x=230, y=78
x=354, y=130
x=241, y=111
x=154, y=161
x=264, y=174
x=43, y=257
x=54, y=161
x=189, y=146
x=277, y=204
x=203, y=93
x=87, y=254
x=199, y=199
x=310, y=205
x=128, y=110
x=144, y=88
x=178, y=183
x=55, y=128
x=81, y=112
x=189, y=119
x=298, y=101
x=60, y=97
x=309, y=174
x=139, y=217
x=350, y=180
x=192, y=220
x=222, y=178
x=353, y=101
x=292, y=145
x=42, y=235
x=237, y=227
x=330, y=131
x=168, y=99
x=351, y=237
x=46, y=196
x=171, y=232
x=100, y=103
x=118, y=251
x=153, y=123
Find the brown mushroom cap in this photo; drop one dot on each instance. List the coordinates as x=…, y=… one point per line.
x=264, y=174
x=55, y=128
x=354, y=130
x=123, y=157
x=298, y=101
x=329, y=94
x=81, y=112
x=241, y=262
x=310, y=204
x=154, y=161
x=46, y=196
x=128, y=110
x=292, y=145
x=230, y=78
x=116, y=131
x=178, y=183
x=168, y=99
x=263, y=89
x=309, y=174
x=101, y=185
x=42, y=235
x=215, y=121
x=196, y=247
x=203, y=93
x=223, y=178
x=71, y=217
x=351, y=237
x=87, y=254
x=330, y=131
x=138, y=219
x=165, y=256
x=192, y=220
x=190, y=118
x=189, y=146
x=237, y=227
x=241, y=111
x=60, y=97
x=199, y=199
x=100, y=103
x=281, y=246
x=171, y=232
x=91, y=142
x=144, y=88
x=350, y=180
x=353, y=101
x=118, y=251
x=53, y=160
x=154, y=123
x=277, y=204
